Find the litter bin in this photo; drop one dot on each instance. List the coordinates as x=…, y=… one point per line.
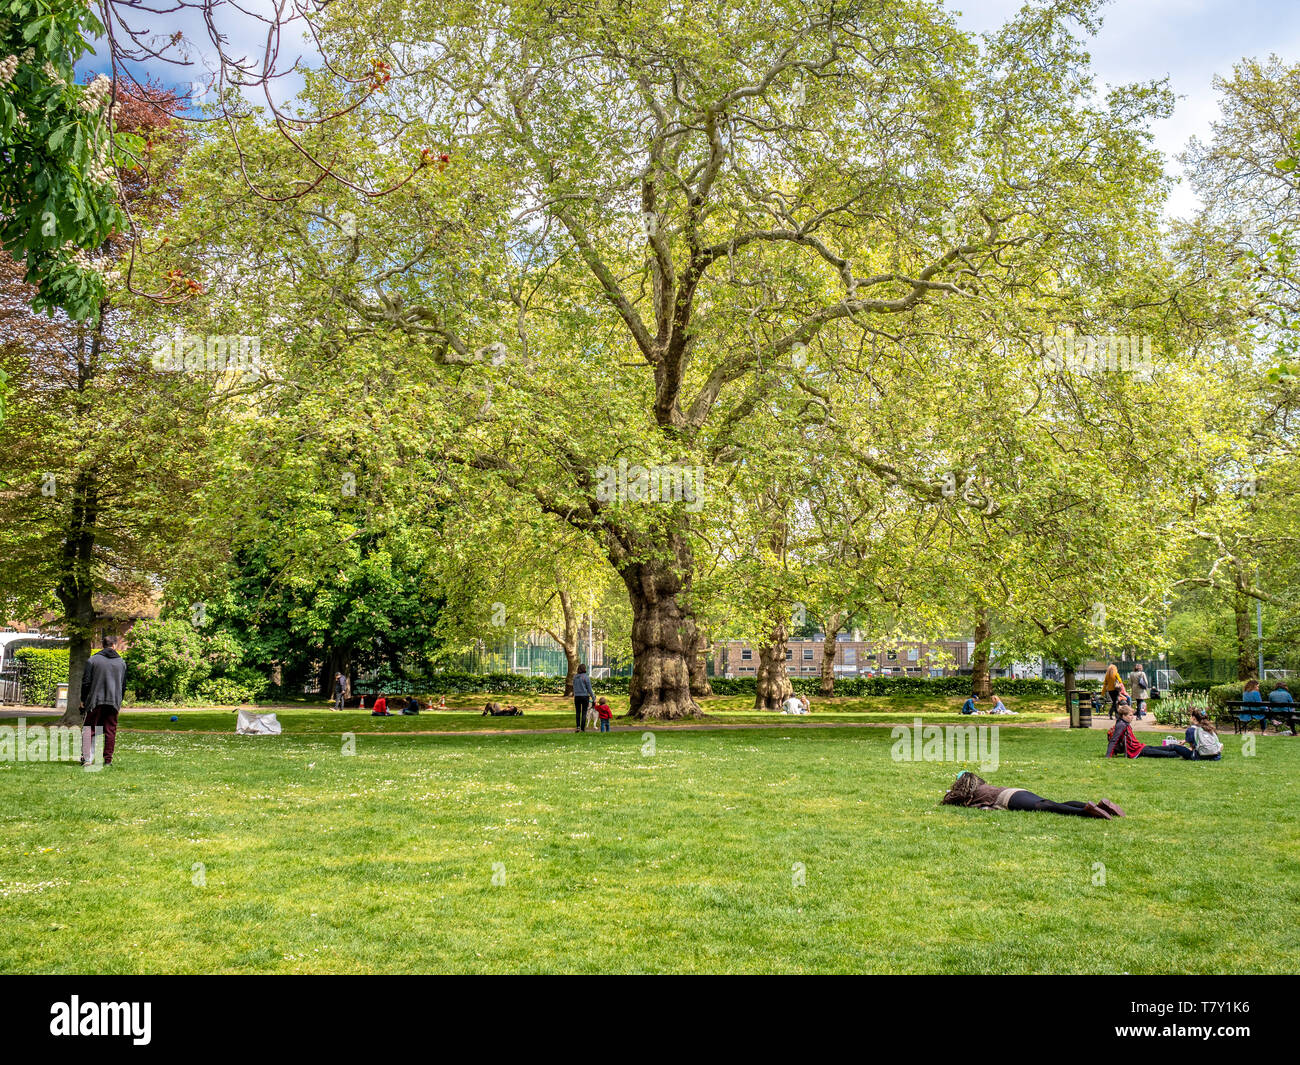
x=60, y=697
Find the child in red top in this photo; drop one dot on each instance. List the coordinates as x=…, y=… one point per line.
x=381, y=707
x=604, y=713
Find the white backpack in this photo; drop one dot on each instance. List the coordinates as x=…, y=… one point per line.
x=1207, y=743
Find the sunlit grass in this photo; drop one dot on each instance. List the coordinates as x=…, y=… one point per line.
x=198, y=853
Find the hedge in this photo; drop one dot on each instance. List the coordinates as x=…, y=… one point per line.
x=516, y=684
x=47, y=667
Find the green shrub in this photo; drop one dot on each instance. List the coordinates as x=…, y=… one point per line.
x=47, y=667
x=1224, y=693
x=1176, y=708
x=166, y=659
x=226, y=691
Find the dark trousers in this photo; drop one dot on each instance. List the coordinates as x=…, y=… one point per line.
x=580, y=708
x=1172, y=751
x=1027, y=800
x=104, y=717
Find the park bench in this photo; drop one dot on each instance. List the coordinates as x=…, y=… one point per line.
x=1243, y=713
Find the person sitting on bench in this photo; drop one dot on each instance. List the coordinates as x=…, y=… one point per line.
x=970, y=790
x=1281, y=696
x=1123, y=741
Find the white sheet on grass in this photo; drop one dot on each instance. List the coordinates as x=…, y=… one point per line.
x=251, y=724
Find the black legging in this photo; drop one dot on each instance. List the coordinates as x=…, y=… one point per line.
x=1027, y=800
x=1174, y=750
x=580, y=708
x=1114, y=700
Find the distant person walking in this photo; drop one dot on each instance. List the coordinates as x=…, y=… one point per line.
x=101, y=699
x=1141, y=685
x=1111, y=687
x=340, y=686
x=581, y=697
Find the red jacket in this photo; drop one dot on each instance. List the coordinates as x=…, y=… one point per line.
x=1131, y=744
x=604, y=711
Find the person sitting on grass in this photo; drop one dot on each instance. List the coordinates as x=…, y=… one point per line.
x=381, y=707
x=1121, y=740
x=999, y=707
x=794, y=705
x=969, y=707
x=603, y=712
x=412, y=705
x=971, y=790
x=1203, y=739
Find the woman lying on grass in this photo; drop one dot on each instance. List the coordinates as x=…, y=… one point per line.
x=970, y=790
x=1121, y=740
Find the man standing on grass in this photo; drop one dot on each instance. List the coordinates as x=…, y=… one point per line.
x=101, y=699
x=340, y=688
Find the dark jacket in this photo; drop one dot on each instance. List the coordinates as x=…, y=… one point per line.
x=103, y=680
x=582, y=686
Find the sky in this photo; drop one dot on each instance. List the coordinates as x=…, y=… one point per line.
x=1188, y=41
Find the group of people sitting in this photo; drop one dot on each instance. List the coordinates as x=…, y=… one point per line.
x=411, y=706
x=971, y=705
x=796, y=704
x=1200, y=741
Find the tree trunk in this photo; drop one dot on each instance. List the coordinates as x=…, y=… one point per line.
x=661, y=680
x=1246, y=666
x=697, y=645
x=569, y=642
x=773, y=683
x=830, y=628
x=76, y=586
x=980, y=681
x=337, y=660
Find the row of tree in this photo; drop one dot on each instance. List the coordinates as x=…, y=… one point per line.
x=707, y=321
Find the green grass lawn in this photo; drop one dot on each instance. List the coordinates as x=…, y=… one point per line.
x=616, y=859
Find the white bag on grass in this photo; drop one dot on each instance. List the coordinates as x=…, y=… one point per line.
x=251, y=724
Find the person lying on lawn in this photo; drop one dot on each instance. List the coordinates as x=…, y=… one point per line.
x=1121, y=740
x=970, y=790
x=497, y=710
